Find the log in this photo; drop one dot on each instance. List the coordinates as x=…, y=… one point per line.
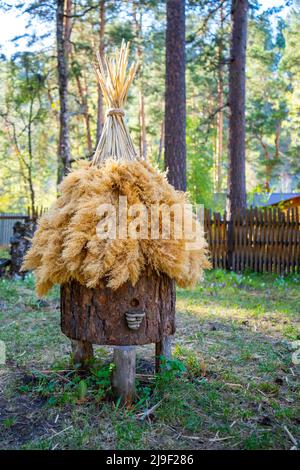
x=127, y=316
x=123, y=376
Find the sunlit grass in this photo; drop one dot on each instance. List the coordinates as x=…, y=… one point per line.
x=234, y=383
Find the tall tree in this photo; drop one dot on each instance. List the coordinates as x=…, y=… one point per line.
x=175, y=111
x=100, y=115
x=25, y=127
x=137, y=20
x=237, y=95
x=220, y=93
x=236, y=198
x=63, y=33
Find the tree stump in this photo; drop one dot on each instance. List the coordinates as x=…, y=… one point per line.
x=100, y=315
x=124, y=317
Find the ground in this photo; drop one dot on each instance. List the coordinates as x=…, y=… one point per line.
x=233, y=382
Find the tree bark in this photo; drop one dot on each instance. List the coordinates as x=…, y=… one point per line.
x=219, y=143
x=236, y=198
x=139, y=53
x=143, y=140
x=277, y=139
x=237, y=94
x=63, y=32
x=30, y=152
x=83, y=94
x=100, y=114
x=267, y=160
x=161, y=140
x=175, y=110
x=103, y=315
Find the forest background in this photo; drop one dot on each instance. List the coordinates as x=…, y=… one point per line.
x=30, y=99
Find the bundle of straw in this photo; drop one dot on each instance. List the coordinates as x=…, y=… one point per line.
x=115, y=80
x=66, y=245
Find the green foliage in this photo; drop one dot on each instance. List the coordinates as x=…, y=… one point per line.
x=61, y=387
x=199, y=165
x=272, y=96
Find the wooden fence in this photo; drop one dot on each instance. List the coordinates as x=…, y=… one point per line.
x=7, y=221
x=264, y=240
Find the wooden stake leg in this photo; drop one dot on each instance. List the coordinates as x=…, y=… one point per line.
x=123, y=377
x=162, y=348
x=82, y=352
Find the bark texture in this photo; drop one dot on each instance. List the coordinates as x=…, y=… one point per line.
x=236, y=199
x=98, y=315
x=237, y=94
x=63, y=32
x=100, y=113
x=220, y=120
x=175, y=111
x=137, y=20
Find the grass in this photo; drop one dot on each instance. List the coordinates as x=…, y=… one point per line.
x=232, y=383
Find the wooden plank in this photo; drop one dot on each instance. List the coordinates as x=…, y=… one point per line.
x=251, y=258
x=124, y=373
x=255, y=239
x=163, y=348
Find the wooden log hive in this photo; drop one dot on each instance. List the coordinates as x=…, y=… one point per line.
x=122, y=318
x=100, y=316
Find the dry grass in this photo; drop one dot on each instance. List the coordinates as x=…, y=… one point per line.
x=66, y=244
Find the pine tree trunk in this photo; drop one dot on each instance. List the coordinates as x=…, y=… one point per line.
x=83, y=94
x=143, y=141
x=139, y=52
x=161, y=140
x=237, y=93
x=277, y=139
x=267, y=164
x=219, y=143
x=220, y=121
x=100, y=114
x=175, y=111
x=63, y=49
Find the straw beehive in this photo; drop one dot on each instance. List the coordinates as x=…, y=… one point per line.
x=66, y=245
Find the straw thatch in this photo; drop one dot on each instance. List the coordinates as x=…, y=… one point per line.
x=66, y=245
x=115, y=80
